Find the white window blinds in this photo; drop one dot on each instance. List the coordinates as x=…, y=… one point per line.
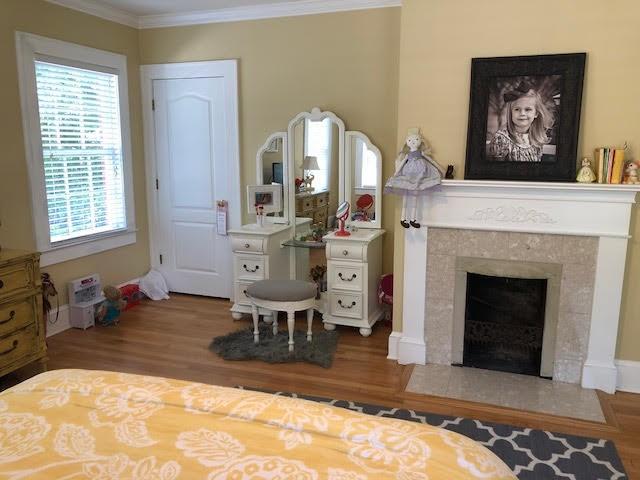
x=81, y=150
x=318, y=144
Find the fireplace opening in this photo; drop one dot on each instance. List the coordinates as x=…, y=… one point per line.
x=504, y=323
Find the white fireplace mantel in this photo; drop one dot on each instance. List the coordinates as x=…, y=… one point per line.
x=597, y=210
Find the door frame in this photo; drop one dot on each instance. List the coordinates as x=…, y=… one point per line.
x=168, y=71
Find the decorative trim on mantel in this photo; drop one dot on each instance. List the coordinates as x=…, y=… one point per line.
x=231, y=14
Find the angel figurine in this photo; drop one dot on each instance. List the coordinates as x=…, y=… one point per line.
x=416, y=172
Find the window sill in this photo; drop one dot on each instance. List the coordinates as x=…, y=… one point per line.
x=71, y=252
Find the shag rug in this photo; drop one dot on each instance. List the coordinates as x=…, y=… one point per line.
x=275, y=348
x=531, y=454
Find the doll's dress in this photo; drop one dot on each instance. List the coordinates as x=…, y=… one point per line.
x=586, y=175
x=416, y=176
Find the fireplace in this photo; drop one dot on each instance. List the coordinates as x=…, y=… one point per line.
x=504, y=323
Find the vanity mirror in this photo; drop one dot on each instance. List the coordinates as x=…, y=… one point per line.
x=272, y=169
x=363, y=180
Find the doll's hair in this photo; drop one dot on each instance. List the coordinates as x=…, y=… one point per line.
x=424, y=148
x=112, y=293
x=540, y=125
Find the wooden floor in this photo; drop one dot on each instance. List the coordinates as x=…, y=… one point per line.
x=170, y=338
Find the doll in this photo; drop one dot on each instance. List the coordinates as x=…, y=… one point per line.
x=416, y=172
x=109, y=310
x=585, y=174
x=631, y=173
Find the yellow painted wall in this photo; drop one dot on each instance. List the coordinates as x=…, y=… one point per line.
x=343, y=62
x=438, y=40
x=42, y=18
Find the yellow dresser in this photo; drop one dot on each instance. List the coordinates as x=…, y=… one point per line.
x=22, y=335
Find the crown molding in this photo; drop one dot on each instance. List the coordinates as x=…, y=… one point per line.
x=93, y=7
x=232, y=14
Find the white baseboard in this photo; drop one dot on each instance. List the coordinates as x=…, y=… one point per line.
x=412, y=350
x=628, y=376
x=394, y=338
x=62, y=323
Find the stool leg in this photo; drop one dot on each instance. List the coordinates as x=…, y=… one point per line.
x=256, y=317
x=309, y=322
x=291, y=321
x=274, y=315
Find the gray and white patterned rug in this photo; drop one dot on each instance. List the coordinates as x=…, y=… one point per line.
x=531, y=454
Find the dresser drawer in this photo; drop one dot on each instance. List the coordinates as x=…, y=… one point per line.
x=320, y=216
x=345, y=251
x=17, y=345
x=251, y=245
x=241, y=293
x=307, y=204
x=346, y=276
x=322, y=200
x=15, y=315
x=250, y=267
x=345, y=304
x=14, y=278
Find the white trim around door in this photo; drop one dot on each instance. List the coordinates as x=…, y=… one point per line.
x=228, y=69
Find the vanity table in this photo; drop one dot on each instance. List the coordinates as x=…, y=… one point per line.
x=349, y=167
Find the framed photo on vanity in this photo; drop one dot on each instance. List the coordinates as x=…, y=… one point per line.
x=524, y=117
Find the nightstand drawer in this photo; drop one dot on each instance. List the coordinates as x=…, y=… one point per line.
x=345, y=251
x=250, y=267
x=320, y=216
x=16, y=315
x=250, y=245
x=14, y=278
x=307, y=204
x=322, y=199
x=345, y=305
x=346, y=276
x=241, y=293
x=17, y=345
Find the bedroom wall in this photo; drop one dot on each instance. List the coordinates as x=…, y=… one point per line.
x=343, y=62
x=42, y=18
x=438, y=40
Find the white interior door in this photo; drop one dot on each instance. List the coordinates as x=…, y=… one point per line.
x=193, y=170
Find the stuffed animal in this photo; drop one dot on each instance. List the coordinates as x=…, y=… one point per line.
x=109, y=310
x=631, y=173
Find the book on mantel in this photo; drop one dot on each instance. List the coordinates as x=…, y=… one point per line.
x=609, y=164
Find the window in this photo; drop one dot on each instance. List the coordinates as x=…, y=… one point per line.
x=75, y=105
x=318, y=144
x=368, y=163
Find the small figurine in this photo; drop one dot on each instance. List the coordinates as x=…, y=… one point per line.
x=449, y=174
x=109, y=310
x=631, y=173
x=585, y=174
x=416, y=172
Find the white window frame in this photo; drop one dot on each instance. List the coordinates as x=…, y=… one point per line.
x=30, y=48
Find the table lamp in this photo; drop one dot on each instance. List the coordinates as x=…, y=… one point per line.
x=309, y=163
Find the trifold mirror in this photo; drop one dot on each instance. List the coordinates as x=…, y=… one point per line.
x=320, y=165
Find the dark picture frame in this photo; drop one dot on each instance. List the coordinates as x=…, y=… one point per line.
x=504, y=144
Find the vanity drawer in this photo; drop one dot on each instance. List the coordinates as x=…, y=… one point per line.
x=346, y=276
x=14, y=278
x=346, y=251
x=250, y=267
x=17, y=345
x=246, y=244
x=345, y=304
x=15, y=315
x=307, y=204
x=320, y=216
x=241, y=293
x=322, y=199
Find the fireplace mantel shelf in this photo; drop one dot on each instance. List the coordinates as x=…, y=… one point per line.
x=578, y=209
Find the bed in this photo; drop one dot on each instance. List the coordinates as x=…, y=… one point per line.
x=74, y=424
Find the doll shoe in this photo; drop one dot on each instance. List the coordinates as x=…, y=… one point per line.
x=404, y=223
x=414, y=224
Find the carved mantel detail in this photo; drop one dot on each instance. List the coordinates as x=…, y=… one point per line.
x=509, y=214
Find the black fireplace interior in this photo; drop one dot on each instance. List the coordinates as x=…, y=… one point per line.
x=504, y=321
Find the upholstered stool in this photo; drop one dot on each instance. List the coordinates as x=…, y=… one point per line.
x=282, y=295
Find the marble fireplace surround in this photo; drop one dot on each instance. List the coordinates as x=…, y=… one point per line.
x=583, y=228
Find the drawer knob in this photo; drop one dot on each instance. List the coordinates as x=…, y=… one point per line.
x=12, y=314
x=15, y=345
x=1, y=284
x=353, y=304
x=246, y=245
x=247, y=269
x=245, y=293
x=347, y=279
x=345, y=252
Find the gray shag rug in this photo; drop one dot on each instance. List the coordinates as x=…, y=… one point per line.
x=275, y=348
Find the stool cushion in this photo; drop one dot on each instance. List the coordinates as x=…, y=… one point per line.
x=282, y=290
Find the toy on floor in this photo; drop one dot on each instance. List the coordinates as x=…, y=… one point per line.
x=109, y=311
x=385, y=294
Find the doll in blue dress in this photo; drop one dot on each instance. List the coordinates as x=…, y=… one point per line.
x=416, y=172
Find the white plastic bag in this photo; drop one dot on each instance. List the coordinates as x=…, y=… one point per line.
x=154, y=286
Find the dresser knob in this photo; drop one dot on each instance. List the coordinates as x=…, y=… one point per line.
x=1, y=284
x=345, y=252
x=246, y=245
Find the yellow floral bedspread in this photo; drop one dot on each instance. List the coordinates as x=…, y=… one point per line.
x=76, y=424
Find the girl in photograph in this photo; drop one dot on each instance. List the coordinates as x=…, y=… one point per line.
x=528, y=121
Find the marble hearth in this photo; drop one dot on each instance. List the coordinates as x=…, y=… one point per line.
x=574, y=235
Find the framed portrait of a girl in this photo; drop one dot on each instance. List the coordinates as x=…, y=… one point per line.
x=524, y=117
